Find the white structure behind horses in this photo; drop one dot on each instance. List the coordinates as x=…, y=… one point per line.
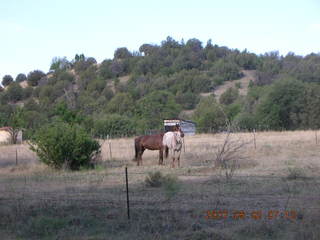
x=173, y=141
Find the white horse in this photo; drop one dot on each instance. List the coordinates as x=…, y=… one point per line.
x=173, y=141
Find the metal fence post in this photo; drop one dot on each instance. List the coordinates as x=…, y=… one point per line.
x=127, y=190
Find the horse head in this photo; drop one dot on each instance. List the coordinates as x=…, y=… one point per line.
x=177, y=128
x=178, y=137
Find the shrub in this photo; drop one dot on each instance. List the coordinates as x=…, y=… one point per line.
x=295, y=173
x=238, y=85
x=64, y=145
x=169, y=183
x=154, y=179
x=27, y=92
x=229, y=154
x=171, y=186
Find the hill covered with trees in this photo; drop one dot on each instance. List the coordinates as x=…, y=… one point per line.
x=135, y=91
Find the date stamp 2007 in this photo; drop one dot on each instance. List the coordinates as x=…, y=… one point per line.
x=255, y=214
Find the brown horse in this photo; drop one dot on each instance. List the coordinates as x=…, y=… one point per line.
x=152, y=142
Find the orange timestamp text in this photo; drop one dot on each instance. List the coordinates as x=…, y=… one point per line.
x=255, y=214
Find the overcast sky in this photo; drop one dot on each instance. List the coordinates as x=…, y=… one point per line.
x=35, y=31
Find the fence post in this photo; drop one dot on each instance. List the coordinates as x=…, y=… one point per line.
x=16, y=157
x=109, y=142
x=127, y=189
x=316, y=135
x=184, y=146
x=254, y=138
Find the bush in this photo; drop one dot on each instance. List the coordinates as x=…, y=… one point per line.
x=155, y=179
x=295, y=173
x=171, y=186
x=64, y=145
x=169, y=183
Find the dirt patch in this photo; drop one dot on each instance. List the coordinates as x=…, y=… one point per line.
x=249, y=75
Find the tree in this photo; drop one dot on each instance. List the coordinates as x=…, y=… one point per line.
x=113, y=125
x=117, y=68
x=21, y=77
x=282, y=107
x=105, y=69
x=63, y=145
x=155, y=107
x=58, y=63
x=311, y=111
x=122, y=53
x=34, y=77
x=229, y=96
x=15, y=92
x=227, y=70
x=79, y=57
x=67, y=115
x=194, y=45
x=121, y=103
x=187, y=99
x=148, y=49
x=6, y=80
x=209, y=115
x=16, y=124
x=170, y=43
x=84, y=63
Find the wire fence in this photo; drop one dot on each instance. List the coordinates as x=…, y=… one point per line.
x=115, y=147
x=190, y=193
x=194, y=192
x=197, y=130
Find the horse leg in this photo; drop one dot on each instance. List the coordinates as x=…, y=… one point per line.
x=161, y=156
x=173, y=158
x=179, y=158
x=166, y=151
x=140, y=156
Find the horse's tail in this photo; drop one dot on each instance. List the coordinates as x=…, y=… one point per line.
x=166, y=151
x=136, y=148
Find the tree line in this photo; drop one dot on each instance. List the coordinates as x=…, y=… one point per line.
x=135, y=91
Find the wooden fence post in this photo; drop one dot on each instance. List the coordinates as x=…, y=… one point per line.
x=109, y=142
x=16, y=157
x=254, y=138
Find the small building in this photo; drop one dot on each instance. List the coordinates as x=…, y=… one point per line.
x=187, y=126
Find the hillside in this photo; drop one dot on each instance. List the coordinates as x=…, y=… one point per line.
x=248, y=75
x=135, y=91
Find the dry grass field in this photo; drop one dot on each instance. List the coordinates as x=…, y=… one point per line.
x=274, y=194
